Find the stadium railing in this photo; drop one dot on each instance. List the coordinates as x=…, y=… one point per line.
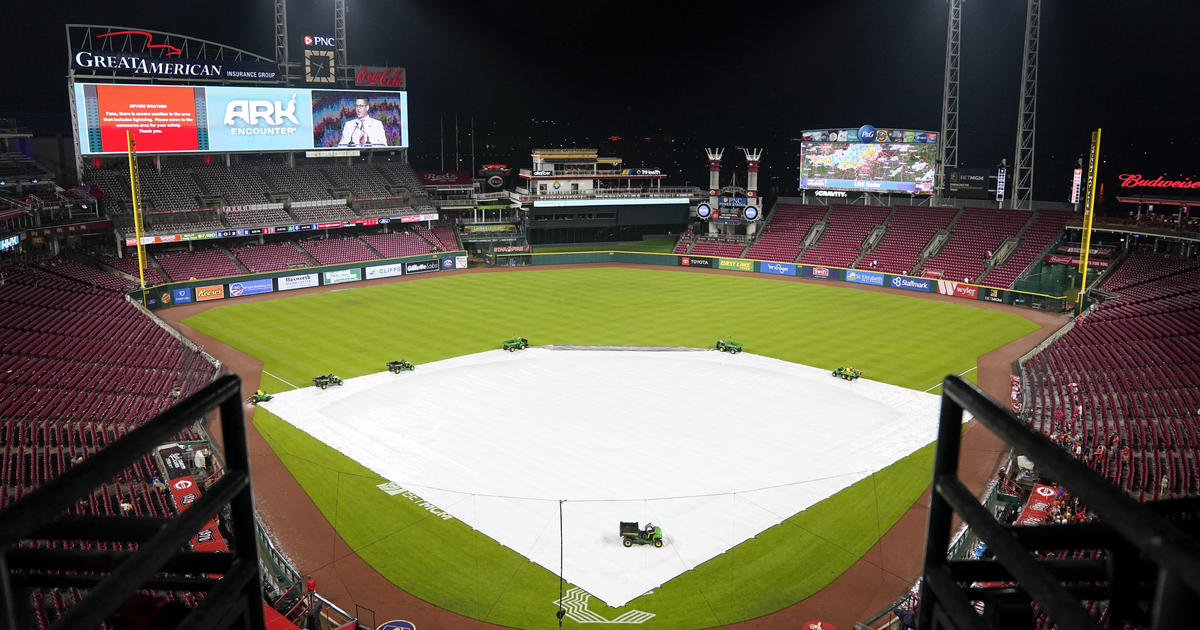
x=1150, y=577
x=231, y=580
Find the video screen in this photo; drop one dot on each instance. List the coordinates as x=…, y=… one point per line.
x=875, y=166
x=357, y=119
x=191, y=119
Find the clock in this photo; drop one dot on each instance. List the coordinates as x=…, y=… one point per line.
x=318, y=66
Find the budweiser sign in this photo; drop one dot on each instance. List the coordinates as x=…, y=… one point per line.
x=380, y=77
x=1134, y=180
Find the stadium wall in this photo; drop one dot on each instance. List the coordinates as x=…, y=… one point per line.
x=191, y=291
x=1000, y=295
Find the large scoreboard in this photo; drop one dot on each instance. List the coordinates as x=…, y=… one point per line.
x=210, y=119
x=869, y=160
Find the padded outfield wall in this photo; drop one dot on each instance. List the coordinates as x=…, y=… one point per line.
x=963, y=290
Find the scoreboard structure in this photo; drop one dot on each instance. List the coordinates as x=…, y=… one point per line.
x=731, y=208
x=869, y=161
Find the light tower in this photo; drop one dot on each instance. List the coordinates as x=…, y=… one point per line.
x=752, y=157
x=714, y=181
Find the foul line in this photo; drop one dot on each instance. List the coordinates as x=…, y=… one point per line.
x=963, y=373
x=293, y=386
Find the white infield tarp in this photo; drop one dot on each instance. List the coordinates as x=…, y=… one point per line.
x=714, y=448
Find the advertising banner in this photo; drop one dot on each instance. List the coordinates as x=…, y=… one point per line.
x=421, y=266
x=823, y=273
x=1041, y=499
x=783, y=269
x=968, y=183
x=1077, y=249
x=181, y=296
x=132, y=64
x=864, y=277
x=460, y=262
x=511, y=248
x=694, y=261
x=910, y=284
x=173, y=460
x=414, y=218
x=211, y=292
x=181, y=118
x=386, y=78
x=991, y=295
x=501, y=227
x=385, y=271
x=1015, y=393
x=445, y=178
x=735, y=264
x=304, y=281
x=1074, y=261
x=957, y=289
x=251, y=287
x=448, y=263
x=185, y=492
x=343, y=275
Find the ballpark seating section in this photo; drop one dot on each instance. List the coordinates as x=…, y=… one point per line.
x=707, y=246
x=844, y=234
x=441, y=236
x=201, y=263
x=364, y=181
x=332, y=251
x=1131, y=369
x=398, y=244
x=239, y=186
x=129, y=265
x=79, y=368
x=684, y=243
x=977, y=231
x=1046, y=227
x=270, y=257
x=303, y=184
x=909, y=231
x=789, y=224
x=323, y=213
x=248, y=216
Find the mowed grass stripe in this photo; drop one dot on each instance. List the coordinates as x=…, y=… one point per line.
x=905, y=341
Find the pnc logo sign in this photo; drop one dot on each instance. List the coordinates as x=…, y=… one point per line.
x=318, y=40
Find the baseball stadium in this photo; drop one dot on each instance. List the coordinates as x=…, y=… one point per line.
x=263, y=370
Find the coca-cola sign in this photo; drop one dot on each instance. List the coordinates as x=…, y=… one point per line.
x=381, y=77
x=1135, y=180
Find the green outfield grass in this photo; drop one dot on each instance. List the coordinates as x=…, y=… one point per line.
x=896, y=339
x=658, y=245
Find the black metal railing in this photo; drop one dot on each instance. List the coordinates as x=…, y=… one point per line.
x=230, y=580
x=1149, y=571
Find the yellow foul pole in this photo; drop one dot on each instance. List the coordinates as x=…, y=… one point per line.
x=135, y=190
x=1089, y=208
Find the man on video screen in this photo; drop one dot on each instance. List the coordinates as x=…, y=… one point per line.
x=363, y=131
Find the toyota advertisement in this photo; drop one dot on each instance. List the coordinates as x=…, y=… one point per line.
x=191, y=119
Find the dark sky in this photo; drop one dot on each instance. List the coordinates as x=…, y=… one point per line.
x=670, y=79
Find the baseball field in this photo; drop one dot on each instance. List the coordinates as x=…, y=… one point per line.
x=901, y=340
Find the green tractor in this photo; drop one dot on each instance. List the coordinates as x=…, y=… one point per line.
x=632, y=535
x=848, y=373
x=396, y=367
x=259, y=397
x=325, y=380
x=726, y=345
x=514, y=344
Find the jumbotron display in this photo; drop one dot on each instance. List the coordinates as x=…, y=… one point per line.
x=195, y=119
x=869, y=159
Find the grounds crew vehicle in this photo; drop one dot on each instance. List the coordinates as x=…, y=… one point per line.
x=325, y=380
x=516, y=343
x=725, y=345
x=395, y=367
x=258, y=397
x=632, y=535
x=848, y=373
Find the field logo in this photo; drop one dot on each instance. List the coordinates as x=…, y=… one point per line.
x=397, y=624
x=575, y=603
x=212, y=292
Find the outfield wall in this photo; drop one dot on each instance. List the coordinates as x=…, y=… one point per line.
x=965, y=290
x=191, y=291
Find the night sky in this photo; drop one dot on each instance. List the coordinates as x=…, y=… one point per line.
x=668, y=79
